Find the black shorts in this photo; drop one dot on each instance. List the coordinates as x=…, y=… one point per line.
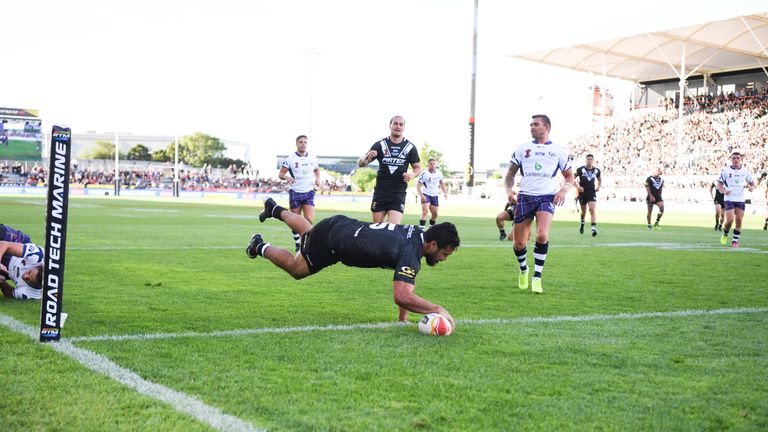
x=719, y=199
x=314, y=246
x=587, y=196
x=384, y=202
x=657, y=197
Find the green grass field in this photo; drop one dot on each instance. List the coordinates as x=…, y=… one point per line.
x=637, y=330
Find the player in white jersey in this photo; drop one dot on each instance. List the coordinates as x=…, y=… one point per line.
x=429, y=186
x=732, y=181
x=304, y=177
x=22, y=264
x=538, y=163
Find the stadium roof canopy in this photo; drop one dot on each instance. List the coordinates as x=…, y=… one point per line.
x=713, y=47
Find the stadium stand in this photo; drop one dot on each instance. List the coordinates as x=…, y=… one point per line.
x=714, y=125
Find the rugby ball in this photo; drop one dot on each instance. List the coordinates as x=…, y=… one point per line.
x=434, y=324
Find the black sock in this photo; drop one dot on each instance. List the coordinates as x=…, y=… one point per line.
x=432, y=222
x=277, y=211
x=422, y=222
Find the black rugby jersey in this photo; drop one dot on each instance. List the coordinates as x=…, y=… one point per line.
x=369, y=245
x=655, y=185
x=587, y=177
x=394, y=160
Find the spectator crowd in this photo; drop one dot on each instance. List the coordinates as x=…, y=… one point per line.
x=713, y=127
x=632, y=146
x=157, y=177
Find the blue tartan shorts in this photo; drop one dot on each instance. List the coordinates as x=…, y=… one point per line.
x=432, y=200
x=298, y=199
x=528, y=205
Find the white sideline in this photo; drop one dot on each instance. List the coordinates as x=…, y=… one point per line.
x=492, y=321
x=181, y=402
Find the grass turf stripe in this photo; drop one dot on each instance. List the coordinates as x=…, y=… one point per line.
x=179, y=401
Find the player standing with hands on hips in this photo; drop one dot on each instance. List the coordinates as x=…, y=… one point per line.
x=304, y=177
x=731, y=183
x=538, y=163
x=395, y=154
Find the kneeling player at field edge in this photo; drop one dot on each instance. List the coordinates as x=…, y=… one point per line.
x=22, y=264
x=508, y=214
x=361, y=244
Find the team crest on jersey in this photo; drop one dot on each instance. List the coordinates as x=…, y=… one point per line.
x=527, y=153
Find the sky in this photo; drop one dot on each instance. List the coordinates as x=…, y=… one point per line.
x=262, y=72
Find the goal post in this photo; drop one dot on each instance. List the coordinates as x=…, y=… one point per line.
x=51, y=320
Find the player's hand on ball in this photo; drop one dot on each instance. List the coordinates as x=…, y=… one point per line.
x=445, y=313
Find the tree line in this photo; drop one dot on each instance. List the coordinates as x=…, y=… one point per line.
x=197, y=150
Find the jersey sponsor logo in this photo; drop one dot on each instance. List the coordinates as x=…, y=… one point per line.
x=537, y=166
x=407, y=271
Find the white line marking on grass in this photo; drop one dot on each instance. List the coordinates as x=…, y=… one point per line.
x=112, y=248
x=239, y=332
x=664, y=246
x=181, y=402
x=336, y=327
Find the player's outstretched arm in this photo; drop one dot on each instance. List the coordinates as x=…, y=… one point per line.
x=406, y=298
x=15, y=249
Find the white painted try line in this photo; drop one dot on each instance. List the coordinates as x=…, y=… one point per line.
x=384, y=325
x=181, y=402
x=501, y=245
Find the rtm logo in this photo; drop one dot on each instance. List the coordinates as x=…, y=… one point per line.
x=49, y=332
x=61, y=135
